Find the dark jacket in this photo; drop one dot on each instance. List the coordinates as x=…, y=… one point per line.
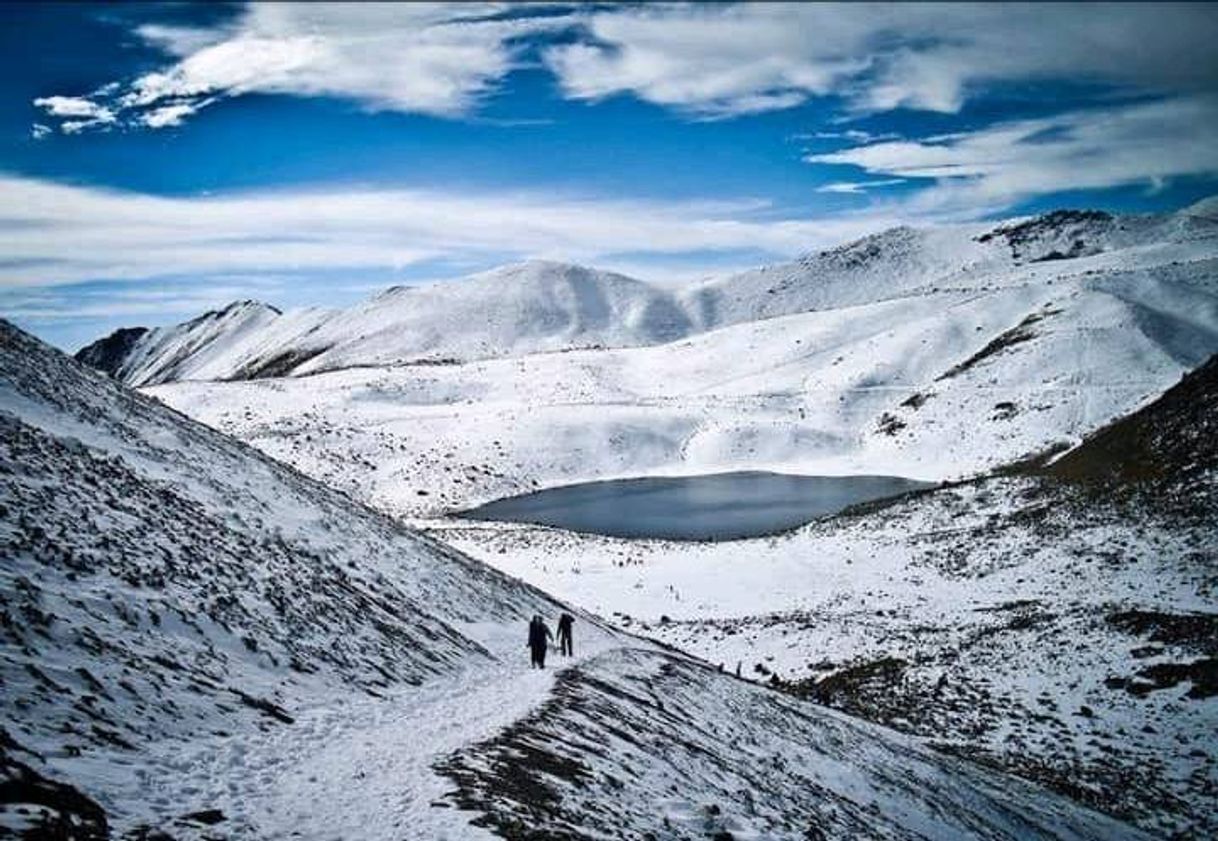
x=538, y=634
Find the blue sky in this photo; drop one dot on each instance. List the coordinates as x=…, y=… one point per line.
x=160, y=159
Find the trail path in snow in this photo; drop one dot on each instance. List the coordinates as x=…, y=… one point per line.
x=363, y=767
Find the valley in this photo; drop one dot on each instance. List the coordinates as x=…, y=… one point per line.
x=671, y=421
x=175, y=665
x=998, y=620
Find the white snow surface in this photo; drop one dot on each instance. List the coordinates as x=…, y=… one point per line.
x=526, y=308
x=937, y=385
x=541, y=306
x=928, y=354
x=191, y=626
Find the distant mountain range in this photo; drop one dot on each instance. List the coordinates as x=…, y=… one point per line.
x=932, y=354
x=545, y=306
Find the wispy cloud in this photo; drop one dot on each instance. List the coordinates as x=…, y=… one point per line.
x=856, y=188
x=76, y=113
x=706, y=60
x=72, y=106
x=1098, y=148
x=55, y=233
x=722, y=60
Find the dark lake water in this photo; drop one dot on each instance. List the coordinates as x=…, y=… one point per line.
x=721, y=506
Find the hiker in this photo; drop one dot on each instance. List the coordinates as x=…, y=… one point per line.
x=538, y=636
x=564, y=634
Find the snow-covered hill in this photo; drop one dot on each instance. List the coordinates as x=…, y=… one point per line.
x=906, y=261
x=526, y=308
x=1065, y=630
x=163, y=584
x=199, y=348
x=199, y=641
x=932, y=386
x=544, y=306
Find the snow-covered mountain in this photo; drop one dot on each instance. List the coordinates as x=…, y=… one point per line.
x=942, y=384
x=527, y=308
x=199, y=348
x=907, y=261
x=199, y=641
x=1059, y=622
x=544, y=306
x=946, y=616
x=937, y=354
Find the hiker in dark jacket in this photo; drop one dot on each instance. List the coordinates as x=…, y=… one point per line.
x=539, y=635
x=564, y=634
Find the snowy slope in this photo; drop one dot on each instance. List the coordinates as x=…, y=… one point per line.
x=200, y=347
x=906, y=261
x=1066, y=632
x=200, y=641
x=162, y=583
x=737, y=762
x=544, y=306
x=934, y=386
x=526, y=308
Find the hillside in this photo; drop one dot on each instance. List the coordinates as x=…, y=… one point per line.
x=163, y=583
x=1060, y=623
x=1171, y=442
x=543, y=306
x=935, y=386
x=526, y=308
x=906, y=261
x=198, y=641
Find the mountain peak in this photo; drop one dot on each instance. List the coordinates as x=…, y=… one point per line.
x=108, y=353
x=1056, y=235
x=539, y=267
x=245, y=305
x=1207, y=208
x=240, y=310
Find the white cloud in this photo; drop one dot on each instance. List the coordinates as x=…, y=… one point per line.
x=854, y=135
x=709, y=60
x=719, y=60
x=77, y=126
x=55, y=234
x=857, y=188
x=1093, y=149
x=39, y=131
x=77, y=113
x=71, y=106
x=425, y=58
x=171, y=115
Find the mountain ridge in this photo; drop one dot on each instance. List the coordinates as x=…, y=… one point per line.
x=544, y=305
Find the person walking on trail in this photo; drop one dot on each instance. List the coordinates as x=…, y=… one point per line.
x=539, y=635
x=564, y=634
